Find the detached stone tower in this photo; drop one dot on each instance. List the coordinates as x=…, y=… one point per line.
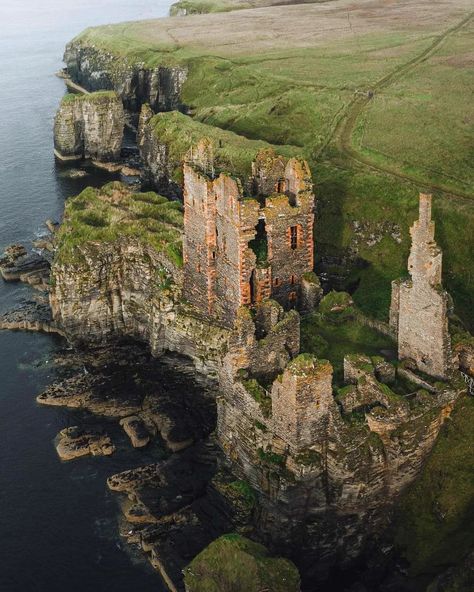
x=419, y=308
x=243, y=250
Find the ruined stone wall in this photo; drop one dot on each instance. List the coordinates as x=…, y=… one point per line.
x=325, y=482
x=301, y=399
x=289, y=259
x=419, y=310
x=89, y=126
x=211, y=245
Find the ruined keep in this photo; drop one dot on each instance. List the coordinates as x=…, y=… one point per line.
x=241, y=250
x=325, y=479
x=419, y=307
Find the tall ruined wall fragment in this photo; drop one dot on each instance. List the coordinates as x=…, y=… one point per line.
x=419, y=308
x=89, y=126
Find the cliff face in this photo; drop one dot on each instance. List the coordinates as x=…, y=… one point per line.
x=89, y=126
x=158, y=166
x=124, y=279
x=98, y=70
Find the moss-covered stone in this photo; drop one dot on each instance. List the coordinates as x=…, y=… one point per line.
x=233, y=563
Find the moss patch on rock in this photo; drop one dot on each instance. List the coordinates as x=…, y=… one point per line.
x=233, y=563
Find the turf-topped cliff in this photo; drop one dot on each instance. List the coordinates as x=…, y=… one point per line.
x=117, y=274
x=233, y=563
x=165, y=138
x=370, y=93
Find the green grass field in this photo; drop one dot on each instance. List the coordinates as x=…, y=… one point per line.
x=436, y=100
x=107, y=214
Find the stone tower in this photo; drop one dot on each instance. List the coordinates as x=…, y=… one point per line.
x=301, y=400
x=240, y=250
x=419, y=308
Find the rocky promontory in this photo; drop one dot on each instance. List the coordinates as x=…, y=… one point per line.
x=135, y=82
x=118, y=274
x=89, y=126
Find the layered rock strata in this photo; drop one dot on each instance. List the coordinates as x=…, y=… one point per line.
x=135, y=83
x=73, y=443
x=89, y=126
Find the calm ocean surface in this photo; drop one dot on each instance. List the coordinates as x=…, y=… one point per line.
x=58, y=523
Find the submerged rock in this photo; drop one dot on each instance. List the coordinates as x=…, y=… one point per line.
x=89, y=126
x=74, y=442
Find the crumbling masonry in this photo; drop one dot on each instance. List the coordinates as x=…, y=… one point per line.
x=242, y=250
x=419, y=308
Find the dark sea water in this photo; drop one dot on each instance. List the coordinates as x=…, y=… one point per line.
x=58, y=523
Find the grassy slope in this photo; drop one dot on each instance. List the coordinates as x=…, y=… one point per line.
x=435, y=519
x=207, y=6
x=440, y=90
x=287, y=77
x=233, y=153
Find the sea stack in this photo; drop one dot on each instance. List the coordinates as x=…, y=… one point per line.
x=89, y=126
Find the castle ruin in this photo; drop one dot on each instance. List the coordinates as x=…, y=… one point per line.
x=241, y=250
x=419, y=307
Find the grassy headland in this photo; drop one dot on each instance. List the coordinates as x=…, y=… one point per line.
x=395, y=77
x=113, y=212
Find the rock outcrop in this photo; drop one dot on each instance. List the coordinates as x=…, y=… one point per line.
x=135, y=83
x=159, y=167
x=74, y=442
x=89, y=126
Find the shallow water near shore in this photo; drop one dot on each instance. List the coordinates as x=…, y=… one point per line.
x=58, y=525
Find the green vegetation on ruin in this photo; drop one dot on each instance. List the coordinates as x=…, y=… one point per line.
x=114, y=212
x=334, y=331
x=233, y=563
x=434, y=526
x=272, y=458
x=258, y=393
x=299, y=87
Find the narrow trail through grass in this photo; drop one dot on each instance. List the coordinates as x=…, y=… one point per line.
x=345, y=128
